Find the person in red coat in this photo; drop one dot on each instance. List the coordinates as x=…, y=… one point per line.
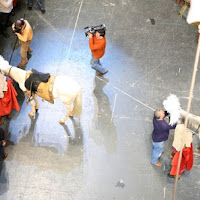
x=182, y=140
x=8, y=100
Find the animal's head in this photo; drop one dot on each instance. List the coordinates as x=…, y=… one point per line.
x=172, y=105
x=4, y=66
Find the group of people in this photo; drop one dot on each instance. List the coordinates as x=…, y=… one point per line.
x=182, y=141
x=24, y=32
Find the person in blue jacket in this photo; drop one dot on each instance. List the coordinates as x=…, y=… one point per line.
x=159, y=135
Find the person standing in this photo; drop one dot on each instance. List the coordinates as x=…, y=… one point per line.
x=97, y=45
x=182, y=140
x=8, y=100
x=40, y=3
x=3, y=154
x=6, y=7
x=24, y=33
x=159, y=135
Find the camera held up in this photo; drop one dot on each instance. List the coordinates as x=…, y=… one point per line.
x=18, y=26
x=93, y=29
x=16, y=30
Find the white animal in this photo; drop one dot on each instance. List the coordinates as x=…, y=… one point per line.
x=65, y=88
x=172, y=105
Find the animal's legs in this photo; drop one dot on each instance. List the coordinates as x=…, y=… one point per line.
x=31, y=114
x=69, y=113
x=36, y=103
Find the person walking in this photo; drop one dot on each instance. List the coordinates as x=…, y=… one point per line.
x=97, y=45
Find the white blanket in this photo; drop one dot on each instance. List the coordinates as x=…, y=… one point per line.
x=3, y=85
x=194, y=12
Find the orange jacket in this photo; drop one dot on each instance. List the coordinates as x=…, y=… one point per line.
x=97, y=46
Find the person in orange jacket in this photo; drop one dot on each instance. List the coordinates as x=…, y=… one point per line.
x=97, y=45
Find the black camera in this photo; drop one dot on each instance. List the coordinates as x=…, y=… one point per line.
x=16, y=30
x=93, y=29
x=20, y=22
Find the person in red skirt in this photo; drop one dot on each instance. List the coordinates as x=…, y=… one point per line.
x=8, y=100
x=182, y=140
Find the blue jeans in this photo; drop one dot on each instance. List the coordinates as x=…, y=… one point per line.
x=40, y=3
x=157, y=149
x=95, y=64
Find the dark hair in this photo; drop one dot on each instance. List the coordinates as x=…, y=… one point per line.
x=102, y=32
x=20, y=22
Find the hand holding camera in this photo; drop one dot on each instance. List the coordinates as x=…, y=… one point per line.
x=89, y=30
x=90, y=35
x=18, y=26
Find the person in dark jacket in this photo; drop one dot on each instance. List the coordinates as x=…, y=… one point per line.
x=159, y=135
x=3, y=154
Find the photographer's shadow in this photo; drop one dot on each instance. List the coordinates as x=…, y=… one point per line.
x=103, y=129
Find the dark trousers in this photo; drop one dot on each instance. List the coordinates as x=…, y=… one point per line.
x=4, y=21
x=2, y=152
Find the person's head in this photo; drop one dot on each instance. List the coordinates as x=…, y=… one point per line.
x=100, y=33
x=19, y=23
x=159, y=114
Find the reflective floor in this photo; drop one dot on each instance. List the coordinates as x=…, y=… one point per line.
x=104, y=155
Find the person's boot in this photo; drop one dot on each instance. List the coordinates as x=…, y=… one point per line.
x=1, y=120
x=5, y=156
x=43, y=11
x=9, y=116
x=172, y=154
x=22, y=63
x=173, y=176
x=30, y=50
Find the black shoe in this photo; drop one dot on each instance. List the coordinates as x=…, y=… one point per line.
x=170, y=176
x=30, y=7
x=43, y=11
x=4, y=157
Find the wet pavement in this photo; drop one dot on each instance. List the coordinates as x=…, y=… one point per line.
x=106, y=153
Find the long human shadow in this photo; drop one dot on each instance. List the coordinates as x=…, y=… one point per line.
x=103, y=131
x=3, y=178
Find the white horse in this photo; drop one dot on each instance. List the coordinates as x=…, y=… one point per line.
x=65, y=88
